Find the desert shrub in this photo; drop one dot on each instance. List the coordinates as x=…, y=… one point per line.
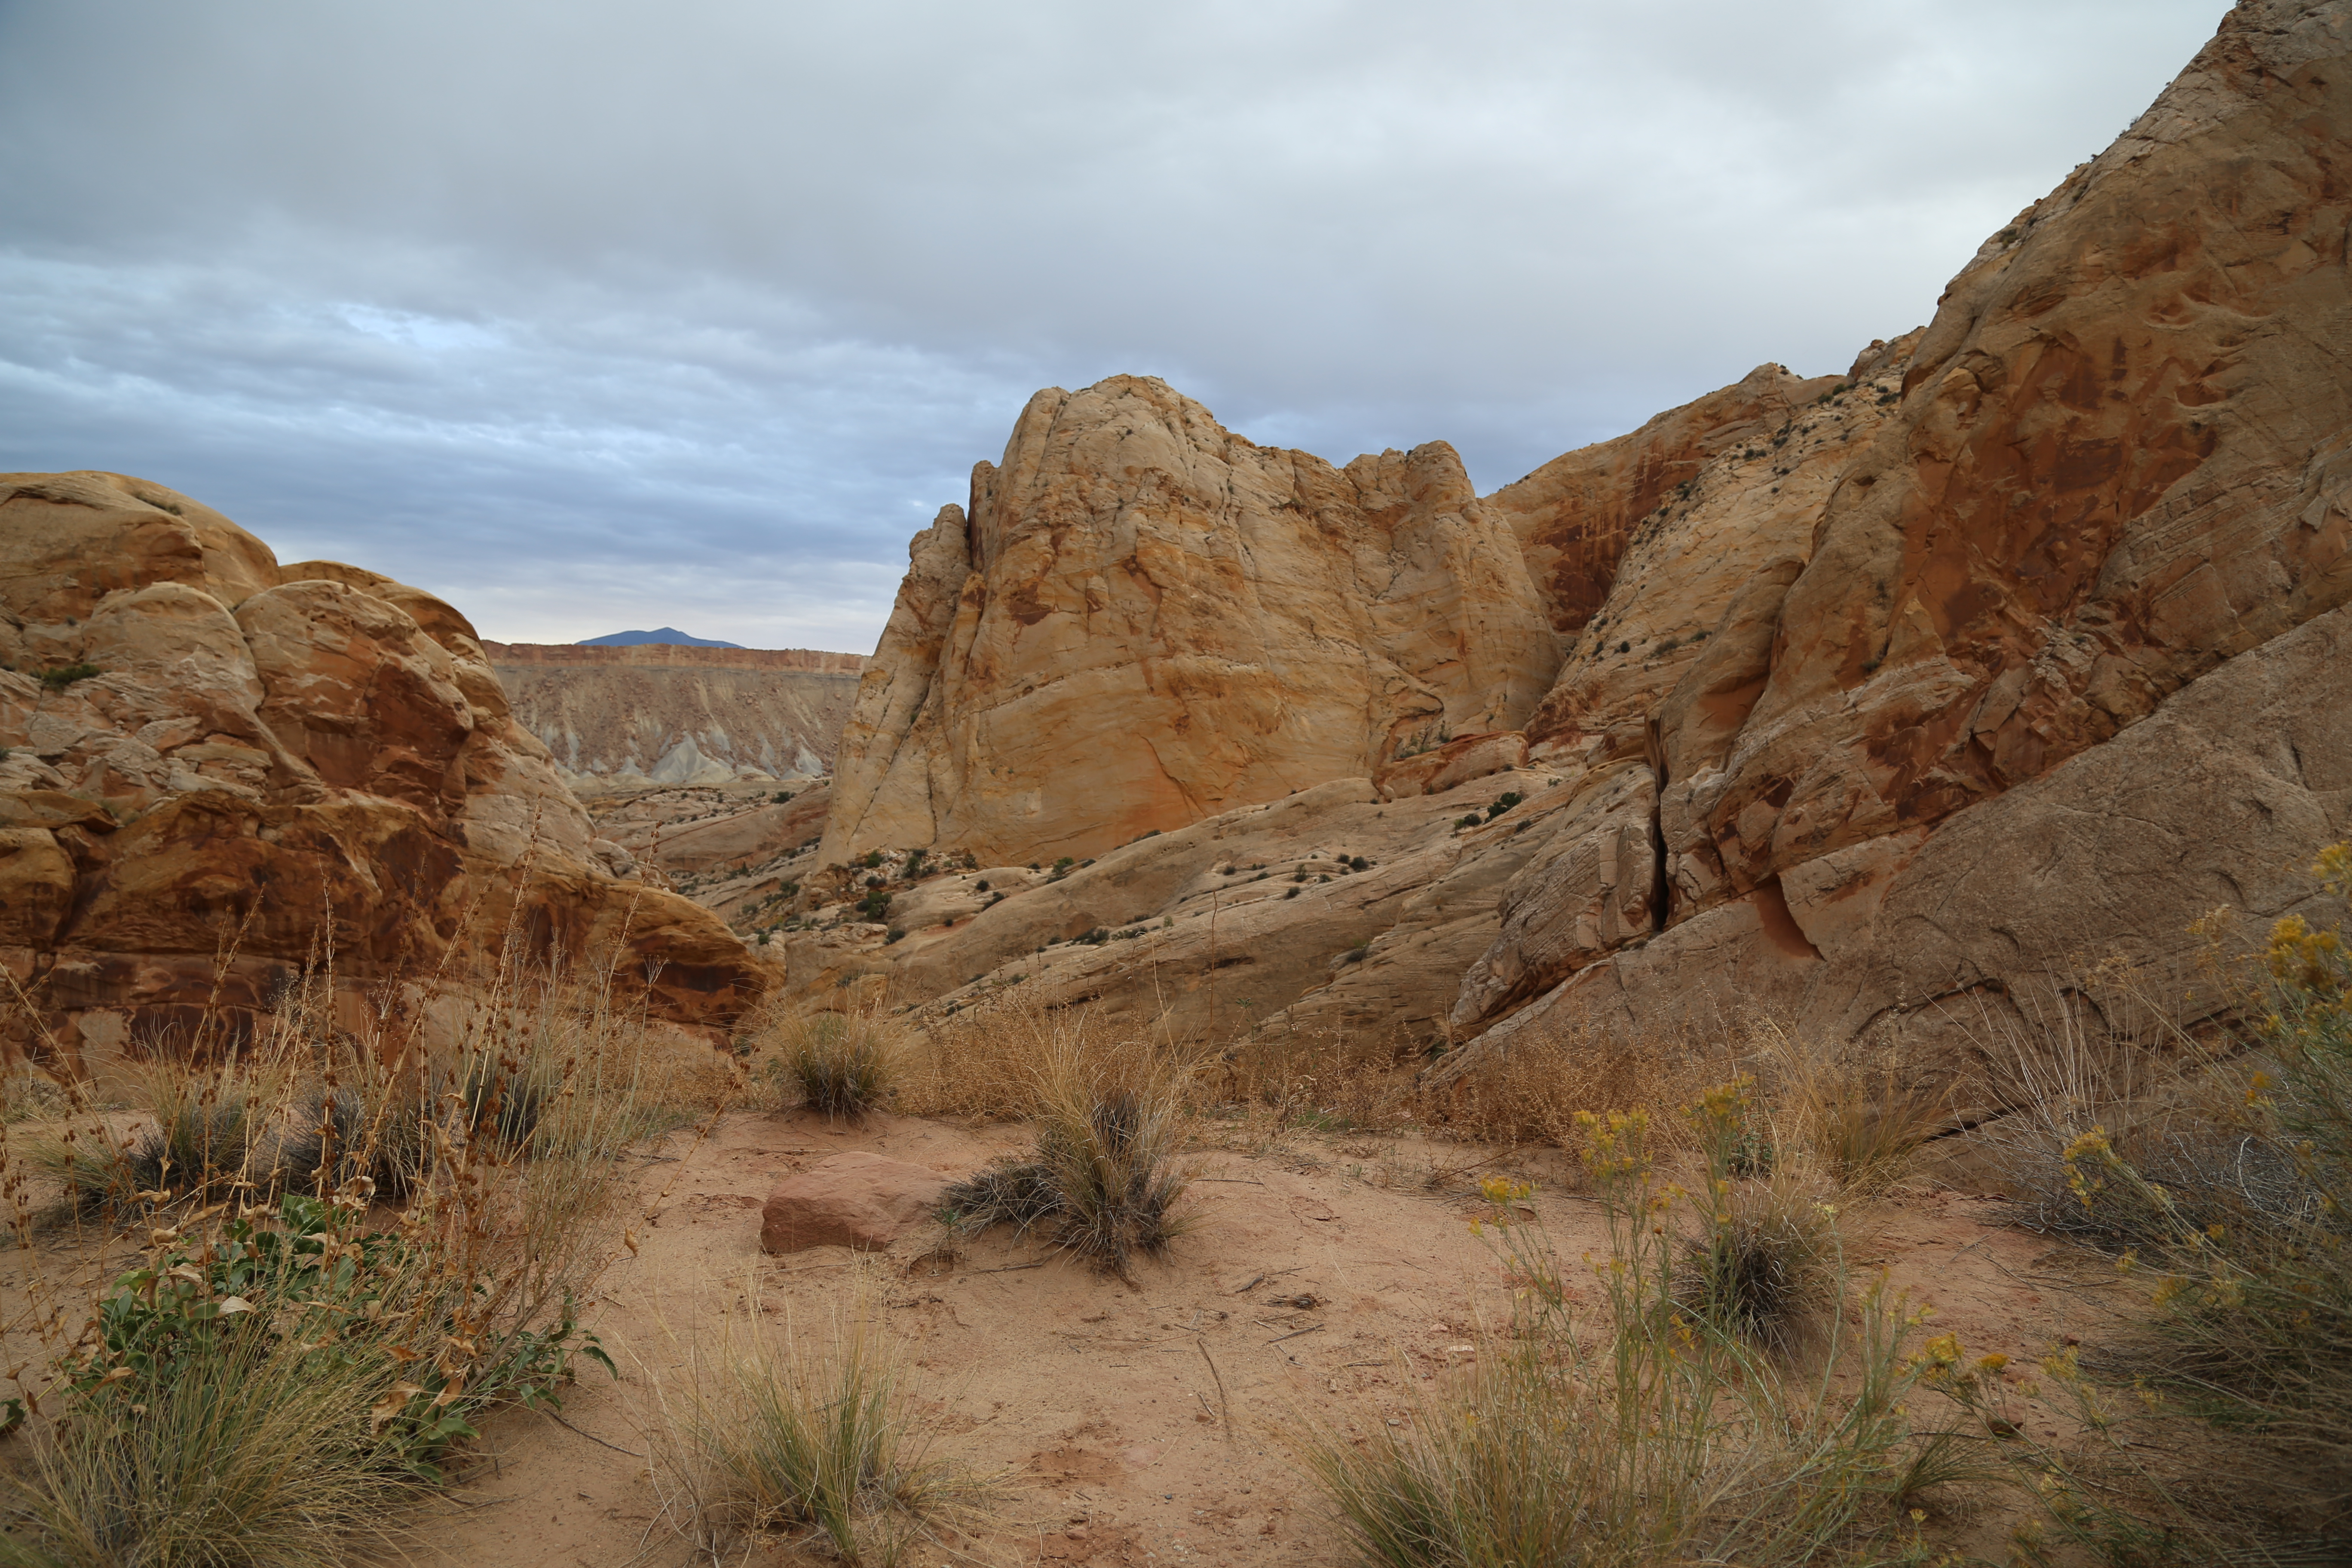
x=2100, y=1054
x=1106, y=1176
x=2220, y=1181
x=1861, y=1129
x=66, y=675
x=1666, y=1440
x=990, y=1060
x=1298, y=1077
x=2253, y=1308
x=209, y=1128
x=838, y=1063
x=345, y=1135
x=1015, y=1191
x=761, y=1430
x=248, y=1458
x=1533, y=1087
x=1764, y=1266
x=30, y=1095
x=288, y=1363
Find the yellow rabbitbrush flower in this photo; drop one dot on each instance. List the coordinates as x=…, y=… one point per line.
x=2094, y=1148
x=2333, y=869
x=2309, y=960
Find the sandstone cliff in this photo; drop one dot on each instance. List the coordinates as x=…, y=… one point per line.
x=1880, y=694
x=1143, y=620
x=209, y=752
x=665, y=714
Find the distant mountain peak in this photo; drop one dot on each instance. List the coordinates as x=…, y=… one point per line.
x=670, y=635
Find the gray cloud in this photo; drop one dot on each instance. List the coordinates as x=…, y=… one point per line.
x=589, y=314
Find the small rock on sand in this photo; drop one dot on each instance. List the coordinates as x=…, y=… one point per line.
x=855, y=1200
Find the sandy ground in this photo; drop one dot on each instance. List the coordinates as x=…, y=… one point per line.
x=1131, y=1424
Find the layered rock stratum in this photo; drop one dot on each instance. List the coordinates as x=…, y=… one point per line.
x=676, y=715
x=1875, y=698
x=220, y=769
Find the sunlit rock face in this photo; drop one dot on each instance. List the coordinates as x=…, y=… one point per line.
x=1144, y=620
x=209, y=753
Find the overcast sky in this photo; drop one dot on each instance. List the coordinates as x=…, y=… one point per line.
x=591, y=315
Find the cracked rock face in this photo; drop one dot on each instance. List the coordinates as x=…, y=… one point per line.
x=1878, y=695
x=202, y=743
x=2084, y=556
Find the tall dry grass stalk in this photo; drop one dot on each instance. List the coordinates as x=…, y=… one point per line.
x=993, y=1061
x=759, y=1429
x=1665, y=1436
x=2213, y=1167
x=1843, y=1120
x=1327, y=1080
x=1532, y=1088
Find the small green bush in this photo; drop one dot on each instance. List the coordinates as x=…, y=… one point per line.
x=65, y=675
x=261, y=1397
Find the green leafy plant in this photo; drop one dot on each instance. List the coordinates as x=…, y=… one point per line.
x=66, y=675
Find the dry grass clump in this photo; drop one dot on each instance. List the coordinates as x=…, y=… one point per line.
x=252, y=1451
x=992, y=1059
x=2105, y=1055
x=765, y=1431
x=2218, y=1175
x=1859, y=1130
x=1324, y=1080
x=1669, y=1439
x=546, y=1065
x=841, y=1064
x=1106, y=1174
x=1765, y=1266
x=1534, y=1087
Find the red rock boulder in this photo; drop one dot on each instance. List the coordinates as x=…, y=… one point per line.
x=864, y=1202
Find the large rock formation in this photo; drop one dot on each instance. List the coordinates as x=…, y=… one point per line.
x=218, y=769
x=1882, y=694
x=2119, y=460
x=667, y=714
x=1145, y=620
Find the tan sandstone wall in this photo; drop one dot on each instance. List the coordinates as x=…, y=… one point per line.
x=1145, y=620
x=277, y=762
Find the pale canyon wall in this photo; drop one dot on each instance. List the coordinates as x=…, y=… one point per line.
x=207, y=752
x=665, y=714
x=1867, y=695
x=1143, y=620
